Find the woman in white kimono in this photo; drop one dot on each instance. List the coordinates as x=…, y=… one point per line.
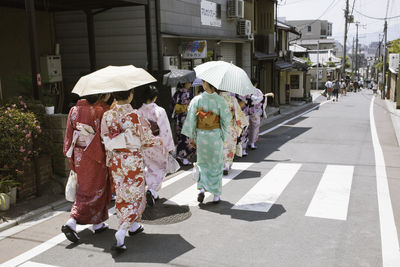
x=155, y=157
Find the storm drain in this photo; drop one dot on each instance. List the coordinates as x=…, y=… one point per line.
x=165, y=214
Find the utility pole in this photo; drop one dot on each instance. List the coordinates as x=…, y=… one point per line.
x=346, y=16
x=384, y=60
x=379, y=59
x=352, y=60
x=358, y=73
x=317, y=66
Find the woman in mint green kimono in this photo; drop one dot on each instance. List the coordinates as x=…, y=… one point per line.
x=207, y=125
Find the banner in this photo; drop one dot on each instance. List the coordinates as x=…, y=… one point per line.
x=194, y=49
x=210, y=14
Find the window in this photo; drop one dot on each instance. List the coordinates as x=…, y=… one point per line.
x=309, y=28
x=294, y=82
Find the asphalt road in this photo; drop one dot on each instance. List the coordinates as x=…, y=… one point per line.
x=308, y=196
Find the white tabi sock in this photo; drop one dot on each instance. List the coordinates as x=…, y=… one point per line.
x=120, y=236
x=134, y=227
x=154, y=193
x=99, y=226
x=71, y=223
x=216, y=198
x=202, y=190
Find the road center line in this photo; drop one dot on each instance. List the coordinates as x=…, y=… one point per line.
x=389, y=240
x=266, y=192
x=331, y=200
x=289, y=120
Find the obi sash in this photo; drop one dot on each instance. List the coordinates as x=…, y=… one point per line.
x=82, y=136
x=207, y=120
x=180, y=108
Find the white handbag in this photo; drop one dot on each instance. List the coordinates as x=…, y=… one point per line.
x=196, y=172
x=172, y=165
x=70, y=188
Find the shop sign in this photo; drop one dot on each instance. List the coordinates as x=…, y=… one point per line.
x=194, y=49
x=210, y=14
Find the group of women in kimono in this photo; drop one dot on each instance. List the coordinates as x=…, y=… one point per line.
x=125, y=150
x=116, y=149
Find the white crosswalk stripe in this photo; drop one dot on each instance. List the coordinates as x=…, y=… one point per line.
x=35, y=264
x=189, y=195
x=264, y=194
x=331, y=199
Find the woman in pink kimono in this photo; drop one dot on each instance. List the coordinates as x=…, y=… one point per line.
x=125, y=133
x=235, y=129
x=86, y=155
x=155, y=157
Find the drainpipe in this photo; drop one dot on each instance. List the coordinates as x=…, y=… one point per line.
x=159, y=43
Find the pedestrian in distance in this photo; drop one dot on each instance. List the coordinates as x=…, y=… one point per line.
x=125, y=134
x=185, y=152
x=236, y=127
x=207, y=126
x=336, y=88
x=244, y=136
x=257, y=104
x=374, y=87
x=87, y=158
x=329, y=89
x=155, y=157
x=343, y=86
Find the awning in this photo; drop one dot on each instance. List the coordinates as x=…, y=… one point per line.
x=263, y=56
x=281, y=65
x=204, y=37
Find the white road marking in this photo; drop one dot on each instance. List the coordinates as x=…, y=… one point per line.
x=289, y=120
x=266, y=192
x=331, y=199
x=35, y=264
x=189, y=195
x=389, y=240
x=176, y=178
x=23, y=226
x=26, y=256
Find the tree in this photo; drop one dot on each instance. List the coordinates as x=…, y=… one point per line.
x=394, y=46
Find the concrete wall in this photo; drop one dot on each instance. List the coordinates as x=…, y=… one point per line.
x=297, y=93
x=15, y=62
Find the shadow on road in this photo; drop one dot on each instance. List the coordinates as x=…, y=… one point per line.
x=225, y=208
x=143, y=248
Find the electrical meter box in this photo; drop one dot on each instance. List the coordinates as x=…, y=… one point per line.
x=51, y=68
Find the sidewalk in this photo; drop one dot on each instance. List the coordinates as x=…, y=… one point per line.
x=53, y=198
x=395, y=115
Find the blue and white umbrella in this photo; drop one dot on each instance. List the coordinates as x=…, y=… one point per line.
x=197, y=82
x=225, y=76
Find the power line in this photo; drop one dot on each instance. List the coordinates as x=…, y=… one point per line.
x=326, y=10
x=393, y=17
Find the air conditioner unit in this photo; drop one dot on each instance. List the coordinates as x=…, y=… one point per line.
x=244, y=28
x=170, y=62
x=235, y=9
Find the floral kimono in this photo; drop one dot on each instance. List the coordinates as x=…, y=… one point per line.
x=209, y=142
x=236, y=126
x=85, y=151
x=244, y=137
x=180, y=102
x=125, y=133
x=257, y=104
x=155, y=157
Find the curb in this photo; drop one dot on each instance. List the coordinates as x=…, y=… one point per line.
x=35, y=213
x=278, y=115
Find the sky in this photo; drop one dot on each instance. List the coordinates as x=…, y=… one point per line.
x=333, y=11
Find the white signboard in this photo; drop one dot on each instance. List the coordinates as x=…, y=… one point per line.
x=209, y=14
x=194, y=49
x=394, y=62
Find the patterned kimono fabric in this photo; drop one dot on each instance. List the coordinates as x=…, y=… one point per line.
x=257, y=104
x=236, y=126
x=244, y=137
x=126, y=160
x=180, y=103
x=88, y=160
x=209, y=142
x=155, y=157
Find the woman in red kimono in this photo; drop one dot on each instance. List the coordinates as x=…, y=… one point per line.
x=124, y=134
x=86, y=154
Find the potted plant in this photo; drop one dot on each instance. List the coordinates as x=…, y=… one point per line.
x=48, y=103
x=8, y=191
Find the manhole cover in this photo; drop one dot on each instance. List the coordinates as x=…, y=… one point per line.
x=165, y=214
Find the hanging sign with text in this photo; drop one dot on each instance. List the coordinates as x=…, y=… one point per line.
x=210, y=13
x=194, y=49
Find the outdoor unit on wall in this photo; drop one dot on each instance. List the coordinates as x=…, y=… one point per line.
x=170, y=62
x=51, y=69
x=235, y=9
x=244, y=28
